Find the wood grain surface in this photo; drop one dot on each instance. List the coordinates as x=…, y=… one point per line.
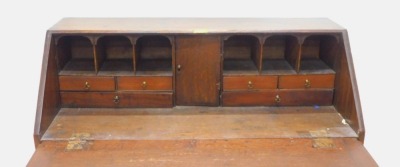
x=347, y=152
x=198, y=123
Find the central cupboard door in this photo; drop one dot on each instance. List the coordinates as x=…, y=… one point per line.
x=198, y=60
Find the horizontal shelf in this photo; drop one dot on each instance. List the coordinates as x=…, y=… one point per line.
x=79, y=67
x=117, y=67
x=314, y=66
x=156, y=67
x=277, y=67
x=239, y=67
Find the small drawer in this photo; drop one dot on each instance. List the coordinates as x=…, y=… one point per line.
x=306, y=81
x=250, y=82
x=249, y=98
x=305, y=97
x=78, y=83
x=145, y=83
x=111, y=100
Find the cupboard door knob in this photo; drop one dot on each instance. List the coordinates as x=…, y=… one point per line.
x=87, y=85
x=250, y=85
x=307, y=83
x=277, y=99
x=144, y=84
x=178, y=67
x=116, y=99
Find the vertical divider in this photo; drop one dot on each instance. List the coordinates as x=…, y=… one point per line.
x=260, y=53
x=256, y=56
x=173, y=47
x=97, y=53
x=297, y=51
x=133, y=40
x=262, y=42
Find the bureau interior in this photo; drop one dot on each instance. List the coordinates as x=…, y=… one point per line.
x=241, y=55
x=280, y=54
x=317, y=54
x=154, y=55
x=114, y=55
x=75, y=55
x=277, y=57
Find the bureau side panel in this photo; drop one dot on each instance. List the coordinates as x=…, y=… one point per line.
x=347, y=100
x=48, y=98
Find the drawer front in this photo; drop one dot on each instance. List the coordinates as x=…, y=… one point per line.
x=305, y=97
x=145, y=83
x=77, y=83
x=250, y=82
x=261, y=98
x=109, y=99
x=306, y=81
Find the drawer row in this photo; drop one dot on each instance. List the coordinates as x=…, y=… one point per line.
x=321, y=97
x=232, y=83
x=76, y=83
x=116, y=99
x=282, y=97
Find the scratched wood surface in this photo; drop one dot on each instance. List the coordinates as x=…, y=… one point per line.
x=198, y=123
x=345, y=152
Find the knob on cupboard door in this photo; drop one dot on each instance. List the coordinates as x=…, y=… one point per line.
x=178, y=67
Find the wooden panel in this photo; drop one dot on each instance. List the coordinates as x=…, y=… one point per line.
x=299, y=81
x=144, y=83
x=347, y=99
x=180, y=123
x=63, y=52
x=329, y=50
x=306, y=97
x=311, y=48
x=48, y=102
x=154, y=47
x=249, y=82
x=81, y=47
x=197, y=81
x=85, y=99
x=253, y=98
x=274, y=47
x=78, y=83
x=240, y=47
x=107, y=99
x=195, y=25
x=347, y=152
x=116, y=47
x=292, y=52
x=257, y=54
x=149, y=100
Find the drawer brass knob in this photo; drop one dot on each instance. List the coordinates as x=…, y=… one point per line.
x=87, y=85
x=144, y=84
x=250, y=85
x=178, y=67
x=116, y=99
x=277, y=99
x=307, y=83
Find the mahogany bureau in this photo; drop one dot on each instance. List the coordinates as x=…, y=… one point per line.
x=198, y=92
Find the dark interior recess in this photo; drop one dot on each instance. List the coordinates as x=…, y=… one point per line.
x=279, y=55
x=115, y=55
x=153, y=56
x=75, y=55
x=317, y=54
x=241, y=55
